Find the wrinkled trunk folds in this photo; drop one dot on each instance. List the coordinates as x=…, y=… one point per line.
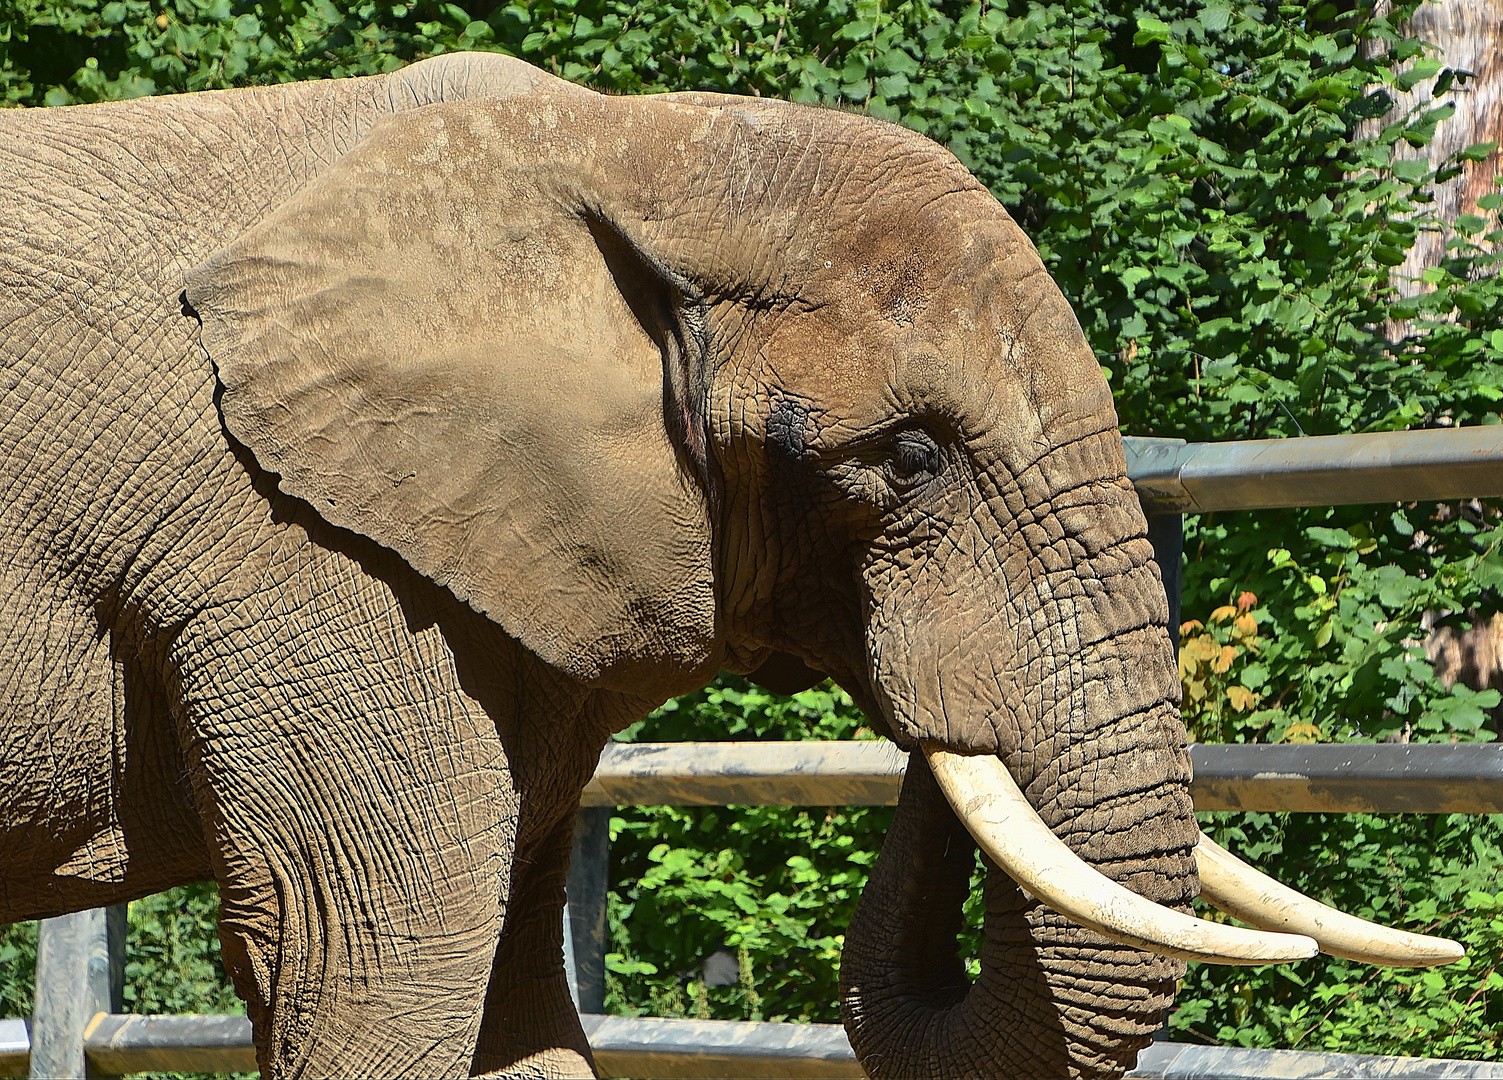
x=1052, y=999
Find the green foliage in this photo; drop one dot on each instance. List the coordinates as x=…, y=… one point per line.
x=773, y=885
x=172, y=958
x=18, y=968
x=1216, y=189
x=1336, y=656
x=1440, y=874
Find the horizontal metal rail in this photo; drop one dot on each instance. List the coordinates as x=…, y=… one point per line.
x=667, y=1049
x=1180, y=1061
x=1413, y=778
x=747, y=774
x=1172, y=475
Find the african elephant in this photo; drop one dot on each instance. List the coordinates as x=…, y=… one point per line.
x=373, y=449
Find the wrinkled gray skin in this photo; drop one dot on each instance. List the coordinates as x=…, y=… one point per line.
x=373, y=449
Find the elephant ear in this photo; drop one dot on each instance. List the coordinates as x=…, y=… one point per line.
x=444, y=343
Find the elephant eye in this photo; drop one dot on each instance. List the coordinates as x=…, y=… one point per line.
x=916, y=455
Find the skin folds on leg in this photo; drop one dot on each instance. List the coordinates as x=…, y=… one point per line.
x=531, y=1028
x=357, y=799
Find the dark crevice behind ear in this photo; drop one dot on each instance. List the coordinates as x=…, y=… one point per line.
x=674, y=314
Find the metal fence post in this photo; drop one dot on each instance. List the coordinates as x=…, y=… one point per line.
x=80, y=973
x=584, y=921
x=1166, y=532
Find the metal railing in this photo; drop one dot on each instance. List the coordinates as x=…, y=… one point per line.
x=1409, y=778
x=79, y=1024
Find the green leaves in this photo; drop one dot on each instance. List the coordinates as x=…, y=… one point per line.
x=1440, y=875
x=1423, y=69
x=173, y=963
x=172, y=958
x=1152, y=31
x=775, y=885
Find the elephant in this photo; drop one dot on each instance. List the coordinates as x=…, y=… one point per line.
x=374, y=449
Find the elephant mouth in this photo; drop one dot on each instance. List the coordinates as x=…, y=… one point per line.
x=1289, y=925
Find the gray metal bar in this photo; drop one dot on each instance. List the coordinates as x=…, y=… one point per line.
x=1325, y=470
x=719, y=1048
x=658, y=1049
x=1181, y=1061
x=1350, y=777
x=651, y=1048
x=589, y=883
x=15, y=1048
x=764, y=774
x=1325, y=778
x=1166, y=532
x=212, y=1044
x=80, y=973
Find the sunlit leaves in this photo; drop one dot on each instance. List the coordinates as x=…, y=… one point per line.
x=775, y=885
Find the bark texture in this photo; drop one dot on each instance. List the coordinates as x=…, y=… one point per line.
x=1468, y=36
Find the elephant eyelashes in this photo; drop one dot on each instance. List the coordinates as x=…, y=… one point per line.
x=915, y=456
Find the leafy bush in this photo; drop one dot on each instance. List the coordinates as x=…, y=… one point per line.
x=1431, y=874
x=18, y=968
x=172, y=961
x=1215, y=188
x=172, y=958
x=773, y=885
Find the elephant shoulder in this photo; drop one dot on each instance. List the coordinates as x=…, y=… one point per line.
x=471, y=76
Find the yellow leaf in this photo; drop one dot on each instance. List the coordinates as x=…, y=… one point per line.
x=1224, y=659
x=1203, y=647
x=1223, y=613
x=1302, y=733
x=1193, y=624
x=1242, y=698
x=1246, y=625
x=1196, y=689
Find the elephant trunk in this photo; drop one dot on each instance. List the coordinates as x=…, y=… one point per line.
x=1107, y=770
x=1052, y=998
x=1091, y=864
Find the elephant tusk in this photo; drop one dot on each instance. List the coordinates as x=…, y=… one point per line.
x=1258, y=900
x=987, y=800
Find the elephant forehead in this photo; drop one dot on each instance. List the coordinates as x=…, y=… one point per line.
x=970, y=329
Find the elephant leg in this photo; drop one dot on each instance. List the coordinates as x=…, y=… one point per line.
x=358, y=807
x=94, y=808
x=531, y=1027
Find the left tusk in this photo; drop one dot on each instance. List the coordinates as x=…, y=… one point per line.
x=989, y=804
x=1258, y=900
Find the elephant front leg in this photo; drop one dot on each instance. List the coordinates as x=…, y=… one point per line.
x=531, y=1027
x=358, y=805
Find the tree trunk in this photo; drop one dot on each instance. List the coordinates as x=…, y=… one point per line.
x=1468, y=37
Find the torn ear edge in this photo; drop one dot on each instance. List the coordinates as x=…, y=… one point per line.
x=675, y=315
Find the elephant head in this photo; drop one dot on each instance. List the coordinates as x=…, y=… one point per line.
x=672, y=384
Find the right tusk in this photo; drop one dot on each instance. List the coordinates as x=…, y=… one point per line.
x=984, y=796
x=1258, y=900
